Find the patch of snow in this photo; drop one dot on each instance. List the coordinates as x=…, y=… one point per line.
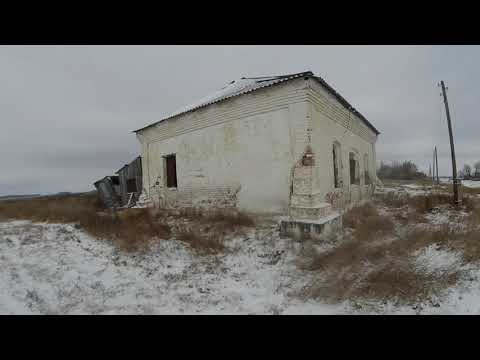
x=471, y=183
x=412, y=186
x=466, y=183
x=433, y=259
x=58, y=269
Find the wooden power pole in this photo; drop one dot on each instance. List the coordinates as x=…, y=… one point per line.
x=452, y=147
x=436, y=165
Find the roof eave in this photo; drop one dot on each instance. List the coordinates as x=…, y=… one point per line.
x=329, y=88
x=285, y=77
x=345, y=103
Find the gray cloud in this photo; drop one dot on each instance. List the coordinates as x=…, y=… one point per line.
x=67, y=112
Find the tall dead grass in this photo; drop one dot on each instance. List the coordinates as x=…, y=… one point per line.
x=366, y=222
x=227, y=219
x=208, y=229
x=131, y=230
x=380, y=264
x=204, y=243
x=386, y=271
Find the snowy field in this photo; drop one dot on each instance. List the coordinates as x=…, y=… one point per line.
x=468, y=183
x=471, y=183
x=59, y=269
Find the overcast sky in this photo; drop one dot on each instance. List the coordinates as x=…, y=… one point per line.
x=67, y=112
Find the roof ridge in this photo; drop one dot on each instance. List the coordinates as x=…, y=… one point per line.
x=277, y=76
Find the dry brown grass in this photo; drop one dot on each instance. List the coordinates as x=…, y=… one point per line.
x=211, y=242
x=420, y=203
x=132, y=229
x=386, y=271
x=426, y=203
x=403, y=283
x=469, y=203
x=228, y=219
x=367, y=223
x=53, y=209
x=474, y=217
x=392, y=200
x=208, y=229
x=464, y=189
x=378, y=263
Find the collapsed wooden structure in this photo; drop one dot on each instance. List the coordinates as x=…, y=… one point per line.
x=122, y=189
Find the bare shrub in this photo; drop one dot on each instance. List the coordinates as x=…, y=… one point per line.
x=373, y=226
x=210, y=243
x=357, y=214
x=426, y=203
x=392, y=200
x=367, y=223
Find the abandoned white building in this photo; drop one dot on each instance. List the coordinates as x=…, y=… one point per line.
x=285, y=144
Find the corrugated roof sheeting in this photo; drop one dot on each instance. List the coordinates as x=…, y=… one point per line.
x=246, y=85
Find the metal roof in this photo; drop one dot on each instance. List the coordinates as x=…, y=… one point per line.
x=105, y=177
x=246, y=85
x=130, y=163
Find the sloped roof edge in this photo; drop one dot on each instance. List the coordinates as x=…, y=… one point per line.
x=263, y=82
x=130, y=163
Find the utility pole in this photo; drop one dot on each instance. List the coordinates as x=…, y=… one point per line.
x=436, y=166
x=452, y=147
x=433, y=173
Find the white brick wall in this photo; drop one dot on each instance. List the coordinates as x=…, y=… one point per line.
x=244, y=142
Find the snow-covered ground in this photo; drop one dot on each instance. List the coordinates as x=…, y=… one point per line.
x=59, y=269
x=467, y=183
x=471, y=183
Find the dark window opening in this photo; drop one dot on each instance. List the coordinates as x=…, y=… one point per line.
x=115, y=180
x=171, y=166
x=367, y=174
x=131, y=185
x=354, y=170
x=335, y=168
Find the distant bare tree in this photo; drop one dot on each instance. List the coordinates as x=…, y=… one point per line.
x=477, y=168
x=467, y=171
x=405, y=170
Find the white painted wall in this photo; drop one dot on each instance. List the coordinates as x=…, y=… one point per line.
x=245, y=142
x=330, y=122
